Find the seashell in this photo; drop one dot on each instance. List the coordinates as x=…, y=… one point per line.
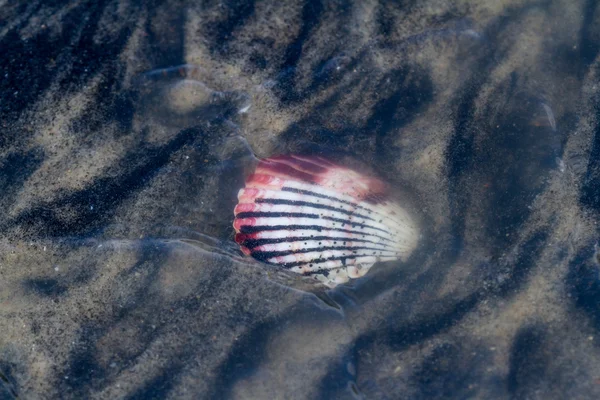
x=318, y=218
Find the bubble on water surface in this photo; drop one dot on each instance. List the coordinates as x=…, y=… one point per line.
x=184, y=96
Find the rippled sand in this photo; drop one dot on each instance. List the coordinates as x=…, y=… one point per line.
x=128, y=129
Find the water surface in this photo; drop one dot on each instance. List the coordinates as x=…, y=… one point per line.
x=128, y=129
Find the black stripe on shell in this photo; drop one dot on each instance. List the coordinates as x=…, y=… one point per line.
x=320, y=260
x=269, y=214
x=259, y=228
x=324, y=271
x=323, y=196
x=311, y=205
x=252, y=243
x=265, y=255
x=354, y=204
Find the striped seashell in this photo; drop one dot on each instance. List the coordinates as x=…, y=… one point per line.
x=315, y=217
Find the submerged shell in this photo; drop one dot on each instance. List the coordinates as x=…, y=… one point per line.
x=318, y=218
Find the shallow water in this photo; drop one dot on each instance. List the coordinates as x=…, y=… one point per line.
x=127, y=131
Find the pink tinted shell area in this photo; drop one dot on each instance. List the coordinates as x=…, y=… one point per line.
x=319, y=171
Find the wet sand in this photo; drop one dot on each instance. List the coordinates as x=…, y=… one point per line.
x=128, y=129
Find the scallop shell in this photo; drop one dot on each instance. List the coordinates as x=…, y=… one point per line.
x=315, y=217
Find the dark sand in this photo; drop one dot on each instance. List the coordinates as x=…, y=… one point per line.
x=119, y=277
